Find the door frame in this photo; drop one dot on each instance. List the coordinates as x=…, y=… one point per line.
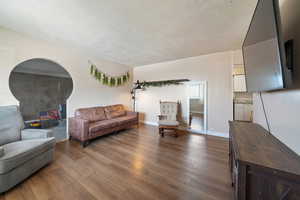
x=205, y=100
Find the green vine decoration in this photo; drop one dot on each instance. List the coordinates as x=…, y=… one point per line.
x=112, y=81
x=146, y=84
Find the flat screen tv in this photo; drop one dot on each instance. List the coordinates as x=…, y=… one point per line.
x=271, y=48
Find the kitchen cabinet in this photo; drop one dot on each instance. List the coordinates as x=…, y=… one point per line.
x=243, y=112
x=239, y=83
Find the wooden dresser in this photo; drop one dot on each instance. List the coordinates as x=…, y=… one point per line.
x=262, y=167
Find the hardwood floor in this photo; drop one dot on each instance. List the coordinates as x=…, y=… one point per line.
x=133, y=164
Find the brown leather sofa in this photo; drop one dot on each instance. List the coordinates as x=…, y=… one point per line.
x=90, y=123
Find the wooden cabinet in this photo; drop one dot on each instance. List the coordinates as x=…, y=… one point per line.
x=243, y=112
x=238, y=70
x=262, y=167
x=239, y=83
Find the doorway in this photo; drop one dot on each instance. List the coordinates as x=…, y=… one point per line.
x=42, y=88
x=197, y=106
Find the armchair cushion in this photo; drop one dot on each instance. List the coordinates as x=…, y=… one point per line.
x=28, y=134
x=169, y=110
x=1, y=152
x=168, y=123
x=17, y=153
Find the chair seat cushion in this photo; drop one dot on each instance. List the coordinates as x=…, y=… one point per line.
x=168, y=123
x=126, y=119
x=97, y=126
x=17, y=153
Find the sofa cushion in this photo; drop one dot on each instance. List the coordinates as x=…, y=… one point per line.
x=126, y=119
x=114, y=111
x=29, y=134
x=17, y=153
x=97, y=126
x=11, y=124
x=93, y=114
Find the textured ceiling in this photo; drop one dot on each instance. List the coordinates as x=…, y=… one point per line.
x=134, y=32
x=42, y=67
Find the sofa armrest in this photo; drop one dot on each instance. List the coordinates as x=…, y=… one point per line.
x=29, y=134
x=79, y=128
x=1, y=152
x=136, y=114
x=131, y=113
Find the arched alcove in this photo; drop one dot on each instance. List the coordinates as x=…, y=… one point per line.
x=42, y=86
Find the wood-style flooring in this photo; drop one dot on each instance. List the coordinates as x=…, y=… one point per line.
x=133, y=164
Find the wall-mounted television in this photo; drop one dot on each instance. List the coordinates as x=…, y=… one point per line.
x=271, y=48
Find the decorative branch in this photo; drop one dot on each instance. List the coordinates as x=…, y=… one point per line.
x=146, y=84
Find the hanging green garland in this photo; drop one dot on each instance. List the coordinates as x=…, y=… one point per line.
x=112, y=81
x=146, y=84
x=163, y=83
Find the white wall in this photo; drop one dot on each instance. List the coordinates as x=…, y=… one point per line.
x=216, y=69
x=16, y=48
x=283, y=112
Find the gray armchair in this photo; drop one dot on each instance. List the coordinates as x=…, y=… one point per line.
x=22, y=151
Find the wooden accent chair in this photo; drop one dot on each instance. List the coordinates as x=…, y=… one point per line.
x=168, y=117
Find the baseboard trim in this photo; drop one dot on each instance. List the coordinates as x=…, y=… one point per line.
x=219, y=134
x=209, y=132
x=63, y=140
x=149, y=123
